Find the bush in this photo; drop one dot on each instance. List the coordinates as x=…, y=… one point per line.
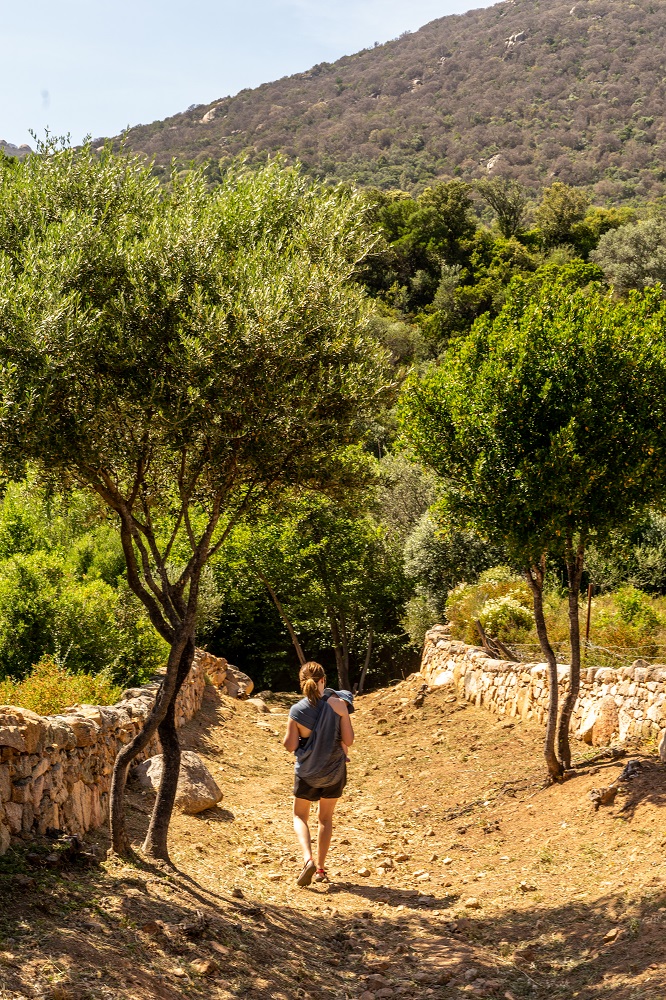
x=501, y=599
x=635, y=608
x=46, y=611
x=638, y=558
x=506, y=618
x=421, y=613
x=437, y=560
x=51, y=688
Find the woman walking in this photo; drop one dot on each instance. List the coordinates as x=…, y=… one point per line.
x=319, y=731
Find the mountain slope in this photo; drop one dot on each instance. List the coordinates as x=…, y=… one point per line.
x=533, y=89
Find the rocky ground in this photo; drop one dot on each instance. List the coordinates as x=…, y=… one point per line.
x=454, y=872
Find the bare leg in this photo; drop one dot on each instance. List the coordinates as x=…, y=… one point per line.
x=326, y=810
x=301, y=828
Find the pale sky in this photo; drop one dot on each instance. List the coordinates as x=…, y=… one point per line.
x=96, y=66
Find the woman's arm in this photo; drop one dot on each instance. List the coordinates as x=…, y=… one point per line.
x=290, y=740
x=346, y=728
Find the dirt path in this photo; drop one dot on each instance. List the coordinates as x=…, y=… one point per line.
x=454, y=873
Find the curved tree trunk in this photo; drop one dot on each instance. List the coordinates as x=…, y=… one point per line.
x=119, y=840
x=280, y=610
x=535, y=576
x=575, y=560
x=341, y=661
x=155, y=844
x=368, y=654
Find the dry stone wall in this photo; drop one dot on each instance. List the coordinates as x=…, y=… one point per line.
x=55, y=771
x=614, y=705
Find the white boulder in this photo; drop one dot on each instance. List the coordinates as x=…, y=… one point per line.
x=196, y=790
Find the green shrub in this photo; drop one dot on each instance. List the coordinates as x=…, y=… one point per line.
x=635, y=608
x=50, y=688
x=421, y=613
x=500, y=597
x=506, y=618
x=46, y=611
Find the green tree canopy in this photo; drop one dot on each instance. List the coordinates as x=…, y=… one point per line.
x=508, y=201
x=182, y=353
x=547, y=427
x=561, y=209
x=634, y=256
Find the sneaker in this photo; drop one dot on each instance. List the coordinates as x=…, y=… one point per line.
x=306, y=875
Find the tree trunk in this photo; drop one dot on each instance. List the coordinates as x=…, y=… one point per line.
x=361, y=682
x=155, y=844
x=535, y=576
x=575, y=559
x=290, y=628
x=345, y=654
x=119, y=840
x=341, y=664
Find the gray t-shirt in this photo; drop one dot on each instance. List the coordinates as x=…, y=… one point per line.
x=320, y=759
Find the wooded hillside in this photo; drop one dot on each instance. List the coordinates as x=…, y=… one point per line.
x=535, y=90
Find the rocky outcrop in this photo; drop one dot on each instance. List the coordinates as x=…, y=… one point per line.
x=10, y=149
x=196, y=789
x=55, y=772
x=613, y=706
x=237, y=683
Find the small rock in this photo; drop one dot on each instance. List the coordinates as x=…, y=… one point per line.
x=205, y=966
x=633, y=767
x=612, y=934
x=526, y=887
x=221, y=949
x=259, y=704
x=152, y=928
x=447, y=861
x=364, y=872
x=179, y=973
x=24, y=881
x=237, y=893
x=472, y=903
x=603, y=796
x=402, y=857
x=274, y=876
x=527, y=954
x=375, y=981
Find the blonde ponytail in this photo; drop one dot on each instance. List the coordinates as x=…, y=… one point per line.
x=310, y=675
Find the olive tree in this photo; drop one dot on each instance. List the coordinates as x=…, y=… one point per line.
x=633, y=256
x=183, y=354
x=508, y=201
x=547, y=427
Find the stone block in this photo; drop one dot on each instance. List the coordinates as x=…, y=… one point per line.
x=606, y=724
x=5, y=783
x=14, y=816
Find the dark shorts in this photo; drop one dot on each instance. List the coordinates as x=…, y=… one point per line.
x=304, y=791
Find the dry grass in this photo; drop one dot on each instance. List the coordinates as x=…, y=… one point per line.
x=625, y=624
x=50, y=688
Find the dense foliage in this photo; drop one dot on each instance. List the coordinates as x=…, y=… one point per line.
x=181, y=354
x=538, y=90
x=63, y=592
x=547, y=427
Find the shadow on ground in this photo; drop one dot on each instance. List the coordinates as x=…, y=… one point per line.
x=147, y=931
